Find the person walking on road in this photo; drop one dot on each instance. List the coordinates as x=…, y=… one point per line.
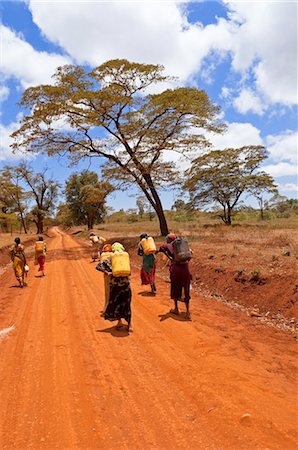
x=40, y=254
x=119, y=304
x=107, y=249
x=148, y=266
x=18, y=258
x=97, y=243
x=180, y=277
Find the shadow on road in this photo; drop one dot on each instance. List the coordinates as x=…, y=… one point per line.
x=147, y=294
x=116, y=332
x=181, y=317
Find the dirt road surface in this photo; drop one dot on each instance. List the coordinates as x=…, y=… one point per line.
x=70, y=380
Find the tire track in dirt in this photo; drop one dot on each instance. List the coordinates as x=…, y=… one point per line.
x=70, y=380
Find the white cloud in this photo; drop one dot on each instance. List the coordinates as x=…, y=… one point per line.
x=4, y=93
x=288, y=187
x=281, y=169
x=283, y=147
x=282, y=150
x=20, y=60
x=254, y=34
x=139, y=31
x=248, y=101
x=225, y=92
x=237, y=135
x=266, y=43
x=5, y=141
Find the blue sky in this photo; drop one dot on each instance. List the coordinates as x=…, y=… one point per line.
x=244, y=54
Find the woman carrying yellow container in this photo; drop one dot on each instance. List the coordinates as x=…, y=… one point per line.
x=18, y=258
x=147, y=249
x=117, y=267
x=40, y=255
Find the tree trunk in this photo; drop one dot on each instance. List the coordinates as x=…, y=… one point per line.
x=226, y=217
x=156, y=204
x=39, y=224
x=23, y=223
x=229, y=212
x=261, y=204
x=164, y=230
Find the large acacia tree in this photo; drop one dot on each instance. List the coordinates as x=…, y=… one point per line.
x=108, y=113
x=222, y=176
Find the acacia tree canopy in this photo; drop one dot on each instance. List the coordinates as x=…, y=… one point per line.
x=222, y=176
x=107, y=113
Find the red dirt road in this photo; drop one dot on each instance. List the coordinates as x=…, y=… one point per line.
x=69, y=380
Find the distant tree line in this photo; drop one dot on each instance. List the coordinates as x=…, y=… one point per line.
x=28, y=197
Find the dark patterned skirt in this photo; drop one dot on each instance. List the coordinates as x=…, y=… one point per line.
x=118, y=306
x=180, y=281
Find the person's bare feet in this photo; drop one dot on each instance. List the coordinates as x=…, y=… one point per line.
x=119, y=324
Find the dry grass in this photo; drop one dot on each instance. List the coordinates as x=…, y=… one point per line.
x=8, y=238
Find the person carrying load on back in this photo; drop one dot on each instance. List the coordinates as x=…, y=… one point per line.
x=18, y=258
x=40, y=255
x=97, y=243
x=147, y=250
x=106, y=254
x=179, y=253
x=118, y=268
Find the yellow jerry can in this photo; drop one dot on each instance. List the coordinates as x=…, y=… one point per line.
x=148, y=245
x=120, y=264
x=105, y=255
x=39, y=246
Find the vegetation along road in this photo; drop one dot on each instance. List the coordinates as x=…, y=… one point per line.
x=70, y=380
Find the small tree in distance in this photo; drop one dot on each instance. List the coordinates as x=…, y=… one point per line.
x=86, y=197
x=12, y=194
x=222, y=176
x=43, y=191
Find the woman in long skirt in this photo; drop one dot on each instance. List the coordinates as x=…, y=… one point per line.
x=119, y=304
x=18, y=258
x=180, y=277
x=148, y=266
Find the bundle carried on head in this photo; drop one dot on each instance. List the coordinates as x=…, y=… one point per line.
x=117, y=247
x=107, y=248
x=171, y=237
